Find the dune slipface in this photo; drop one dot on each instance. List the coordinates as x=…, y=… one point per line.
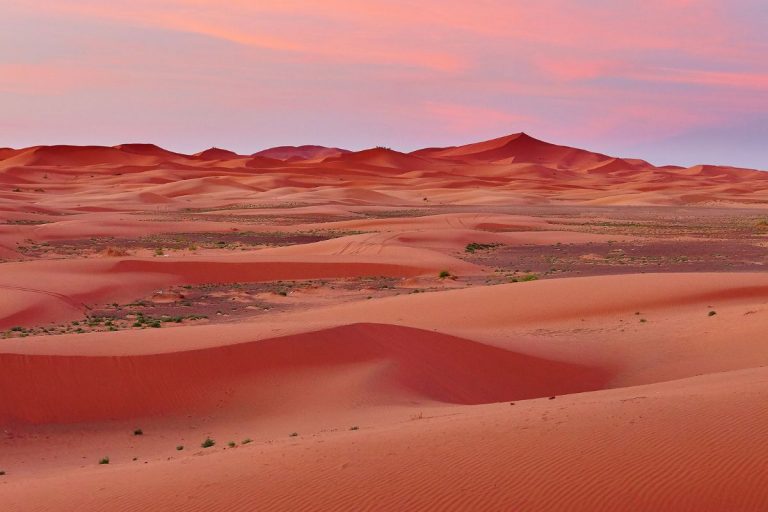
x=505, y=325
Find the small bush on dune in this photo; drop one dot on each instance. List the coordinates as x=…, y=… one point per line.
x=208, y=442
x=105, y=460
x=138, y=432
x=444, y=274
x=180, y=447
x=474, y=246
x=247, y=440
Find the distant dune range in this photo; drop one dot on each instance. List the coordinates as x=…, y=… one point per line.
x=506, y=325
x=513, y=168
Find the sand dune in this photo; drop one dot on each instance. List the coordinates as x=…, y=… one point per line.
x=504, y=325
x=514, y=166
x=307, y=152
x=410, y=363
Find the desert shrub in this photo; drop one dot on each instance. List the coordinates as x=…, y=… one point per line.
x=294, y=434
x=712, y=313
x=138, y=432
x=208, y=442
x=443, y=274
x=247, y=440
x=104, y=460
x=180, y=447
x=474, y=246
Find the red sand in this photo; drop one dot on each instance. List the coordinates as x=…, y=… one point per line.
x=612, y=392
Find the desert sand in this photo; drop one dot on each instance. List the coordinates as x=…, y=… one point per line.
x=505, y=325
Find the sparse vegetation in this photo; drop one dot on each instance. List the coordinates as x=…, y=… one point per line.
x=294, y=434
x=712, y=313
x=231, y=444
x=138, y=432
x=247, y=440
x=179, y=447
x=444, y=274
x=474, y=246
x=104, y=460
x=354, y=428
x=207, y=443
x=524, y=278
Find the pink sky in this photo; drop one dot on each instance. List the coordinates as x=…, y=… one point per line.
x=677, y=81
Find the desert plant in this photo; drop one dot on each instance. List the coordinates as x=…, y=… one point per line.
x=104, y=460
x=138, y=432
x=712, y=313
x=208, y=442
x=180, y=447
x=294, y=434
x=443, y=274
x=231, y=444
x=247, y=440
x=474, y=246
x=354, y=428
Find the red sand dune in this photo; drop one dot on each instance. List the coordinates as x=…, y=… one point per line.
x=410, y=363
x=409, y=348
x=215, y=154
x=510, y=168
x=301, y=152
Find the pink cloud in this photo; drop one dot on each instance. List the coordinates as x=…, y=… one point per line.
x=424, y=70
x=469, y=119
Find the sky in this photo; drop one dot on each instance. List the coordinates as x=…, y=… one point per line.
x=674, y=82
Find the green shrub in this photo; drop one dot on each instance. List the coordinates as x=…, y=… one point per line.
x=208, y=442
x=474, y=246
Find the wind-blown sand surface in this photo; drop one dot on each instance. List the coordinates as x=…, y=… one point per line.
x=507, y=325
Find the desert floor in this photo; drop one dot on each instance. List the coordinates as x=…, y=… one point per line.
x=355, y=348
